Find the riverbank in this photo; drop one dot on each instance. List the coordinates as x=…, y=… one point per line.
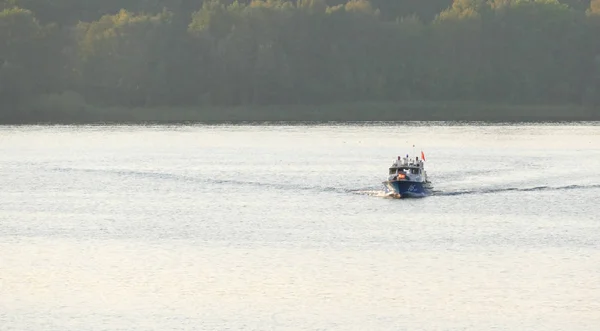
x=353, y=112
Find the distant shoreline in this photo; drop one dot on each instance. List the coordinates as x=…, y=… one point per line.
x=351, y=112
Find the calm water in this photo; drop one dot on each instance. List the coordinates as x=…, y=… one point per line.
x=285, y=228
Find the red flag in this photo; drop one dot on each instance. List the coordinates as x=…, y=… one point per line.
x=422, y=156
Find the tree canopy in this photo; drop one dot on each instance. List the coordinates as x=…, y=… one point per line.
x=146, y=53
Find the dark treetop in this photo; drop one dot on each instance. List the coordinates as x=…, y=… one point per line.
x=73, y=59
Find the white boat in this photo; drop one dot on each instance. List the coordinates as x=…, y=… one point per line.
x=407, y=178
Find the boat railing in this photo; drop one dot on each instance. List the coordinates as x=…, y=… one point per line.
x=408, y=162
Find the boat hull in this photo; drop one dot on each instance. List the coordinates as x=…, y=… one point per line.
x=406, y=189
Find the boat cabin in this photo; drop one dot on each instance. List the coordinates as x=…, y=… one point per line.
x=407, y=166
x=415, y=170
x=406, y=169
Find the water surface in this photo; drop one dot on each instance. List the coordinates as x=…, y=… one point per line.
x=285, y=227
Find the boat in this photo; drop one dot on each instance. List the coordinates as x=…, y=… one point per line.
x=407, y=178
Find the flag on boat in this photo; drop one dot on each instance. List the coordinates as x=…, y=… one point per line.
x=422, y=156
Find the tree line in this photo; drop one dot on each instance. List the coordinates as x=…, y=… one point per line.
x=148, y=53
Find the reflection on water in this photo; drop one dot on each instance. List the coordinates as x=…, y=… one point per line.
x=117, y=285
x=285, y=228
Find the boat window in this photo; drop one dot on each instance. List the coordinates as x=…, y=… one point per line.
x=392, y=171
x=415, y=171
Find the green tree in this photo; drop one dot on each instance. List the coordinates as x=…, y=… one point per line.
x=123, y=58
x=30, y=59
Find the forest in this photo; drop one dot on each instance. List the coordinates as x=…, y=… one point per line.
x=70, y=59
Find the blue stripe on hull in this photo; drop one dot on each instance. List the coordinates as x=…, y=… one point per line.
x=407, y=188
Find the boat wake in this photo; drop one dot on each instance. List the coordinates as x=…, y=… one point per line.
x=368, y=191
x=442, y=193
x=515, y=189
x=151, y=175
x=374, y=193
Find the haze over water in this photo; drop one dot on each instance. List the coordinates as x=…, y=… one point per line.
x=286, y=228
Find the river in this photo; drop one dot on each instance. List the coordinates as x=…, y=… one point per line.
x=286, y=227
